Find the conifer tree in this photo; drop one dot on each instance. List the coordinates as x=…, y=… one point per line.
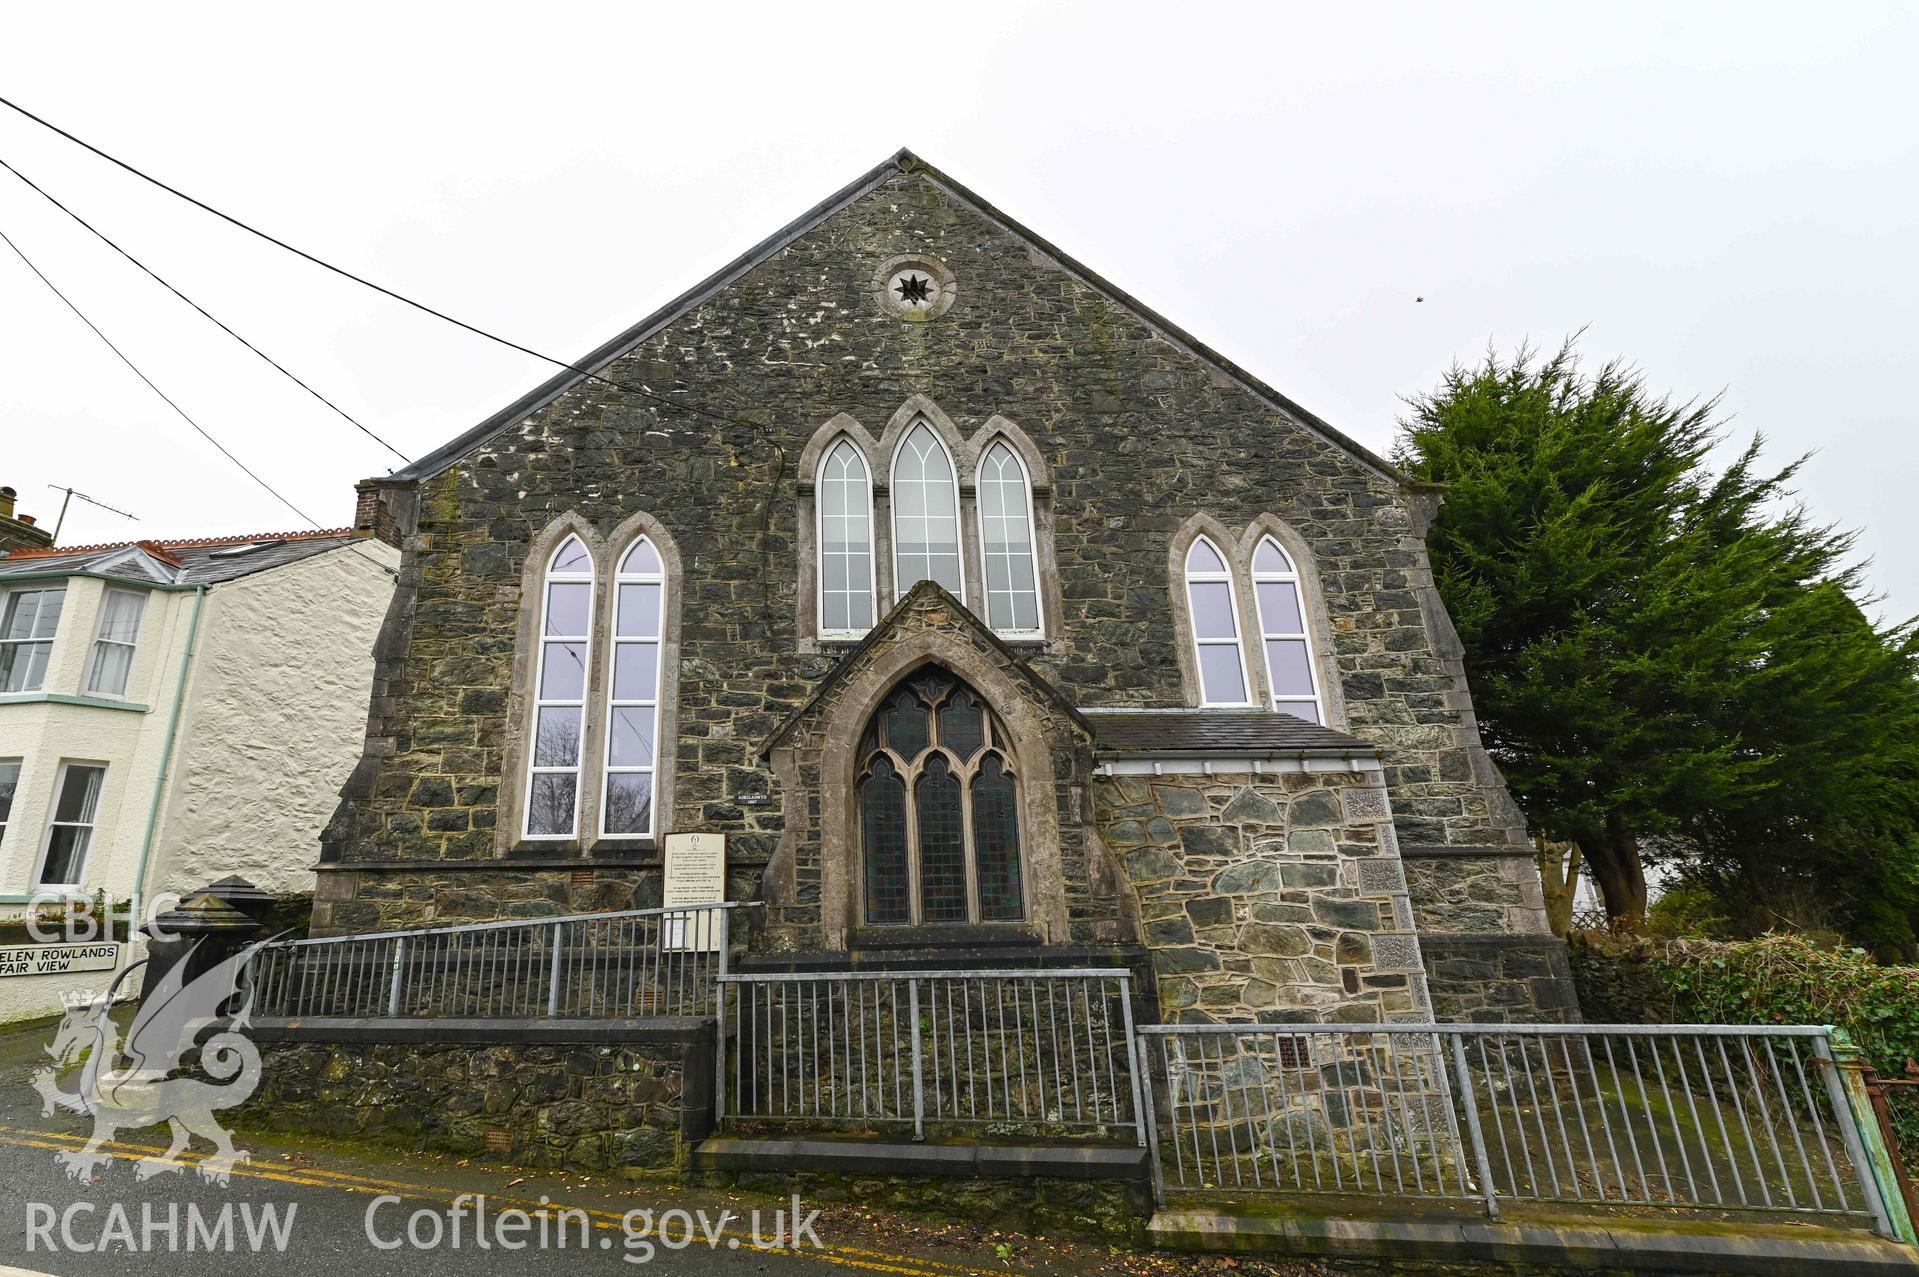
x=1664, y=661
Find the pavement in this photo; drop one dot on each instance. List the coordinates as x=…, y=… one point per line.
x=310, y=1209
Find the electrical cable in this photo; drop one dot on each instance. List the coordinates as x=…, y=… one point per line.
x=165, y=398
x=105, y=239
x=378, y=288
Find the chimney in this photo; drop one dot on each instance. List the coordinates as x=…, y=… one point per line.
x=17, y=531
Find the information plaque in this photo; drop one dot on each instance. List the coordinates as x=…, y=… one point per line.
x=695, y=875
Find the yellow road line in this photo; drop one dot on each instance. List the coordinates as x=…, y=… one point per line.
x=845, y=1256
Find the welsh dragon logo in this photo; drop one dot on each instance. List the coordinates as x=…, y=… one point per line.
x=132, y=1084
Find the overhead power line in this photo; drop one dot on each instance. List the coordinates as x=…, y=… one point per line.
x=165, y=398
x=108, y=241
x=404, y=300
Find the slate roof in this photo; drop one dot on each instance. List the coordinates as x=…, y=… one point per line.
x=196, y=561
x=1240, y=733
x=902, y=162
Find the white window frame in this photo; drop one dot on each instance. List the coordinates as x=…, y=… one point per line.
x=1188, y=578
x=548, y=579
x=819, y=539
x=132, y=645
x=900, y=585
x=1292, y=577
x=614, y=642
x=47, y=640
x=91, y=825
x=17, y=765
x=1032, y=541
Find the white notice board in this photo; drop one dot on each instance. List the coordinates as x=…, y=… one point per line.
x=695, y=875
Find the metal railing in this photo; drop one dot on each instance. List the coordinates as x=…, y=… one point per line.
x=1720, y=1117
x=1028, y=1052
x=637, y=962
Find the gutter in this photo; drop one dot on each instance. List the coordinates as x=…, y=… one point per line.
x=166, y=766
x=57, y=574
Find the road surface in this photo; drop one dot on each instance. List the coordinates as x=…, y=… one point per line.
x=311, y=1210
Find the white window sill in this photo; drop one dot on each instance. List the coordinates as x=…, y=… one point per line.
x=59, y=698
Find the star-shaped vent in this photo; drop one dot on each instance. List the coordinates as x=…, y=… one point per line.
x=915, y=290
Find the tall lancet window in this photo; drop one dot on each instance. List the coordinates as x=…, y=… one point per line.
x=559, y=697
x=1287, y=646
x=1214, y=610
x=939, y=810
x=1006, y=543
x=845, y=499
x=633, y=701
x=926, y=526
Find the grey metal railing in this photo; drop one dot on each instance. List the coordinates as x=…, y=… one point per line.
x=1016, y=1051
x=636, y=962
x=1725, y=1117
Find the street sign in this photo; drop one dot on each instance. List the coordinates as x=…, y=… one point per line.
x=58, y=959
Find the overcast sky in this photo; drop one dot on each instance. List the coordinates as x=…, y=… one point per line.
x=1724, y=194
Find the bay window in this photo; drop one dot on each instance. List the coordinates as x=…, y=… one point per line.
x=76, y=807
x=114, y=640
x=9, y=782
x=27, y=628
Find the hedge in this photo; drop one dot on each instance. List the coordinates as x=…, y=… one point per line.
x=1774, y=980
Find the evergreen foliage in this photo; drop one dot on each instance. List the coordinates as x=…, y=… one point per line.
x=1773, y=980
x=1667, y=662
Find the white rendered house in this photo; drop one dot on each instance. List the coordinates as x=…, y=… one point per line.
x=174, y=712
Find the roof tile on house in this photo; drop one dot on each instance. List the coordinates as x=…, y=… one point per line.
x=188, y=561
x=1242, y=733
x=174, y=544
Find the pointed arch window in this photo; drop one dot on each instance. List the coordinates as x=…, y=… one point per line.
x=633, y=694
x=1006, y=536
x=559, y=697
x=845, y=499
x=938, y=810
x=926, y=524
x=1213, y=607
x=1286, y=643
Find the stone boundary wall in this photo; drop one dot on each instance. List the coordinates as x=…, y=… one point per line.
x=1271, y=897
x=1516, y=979
x=606, y=1105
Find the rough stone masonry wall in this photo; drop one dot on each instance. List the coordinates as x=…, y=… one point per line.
x=584, y=1107
x=1073, y=892
x=366, y=899
x=1139, y=435
x=1274, y=897
x=1477, y=917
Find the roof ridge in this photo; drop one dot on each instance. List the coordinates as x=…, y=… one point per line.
x=169, y=544
x=902, y=162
